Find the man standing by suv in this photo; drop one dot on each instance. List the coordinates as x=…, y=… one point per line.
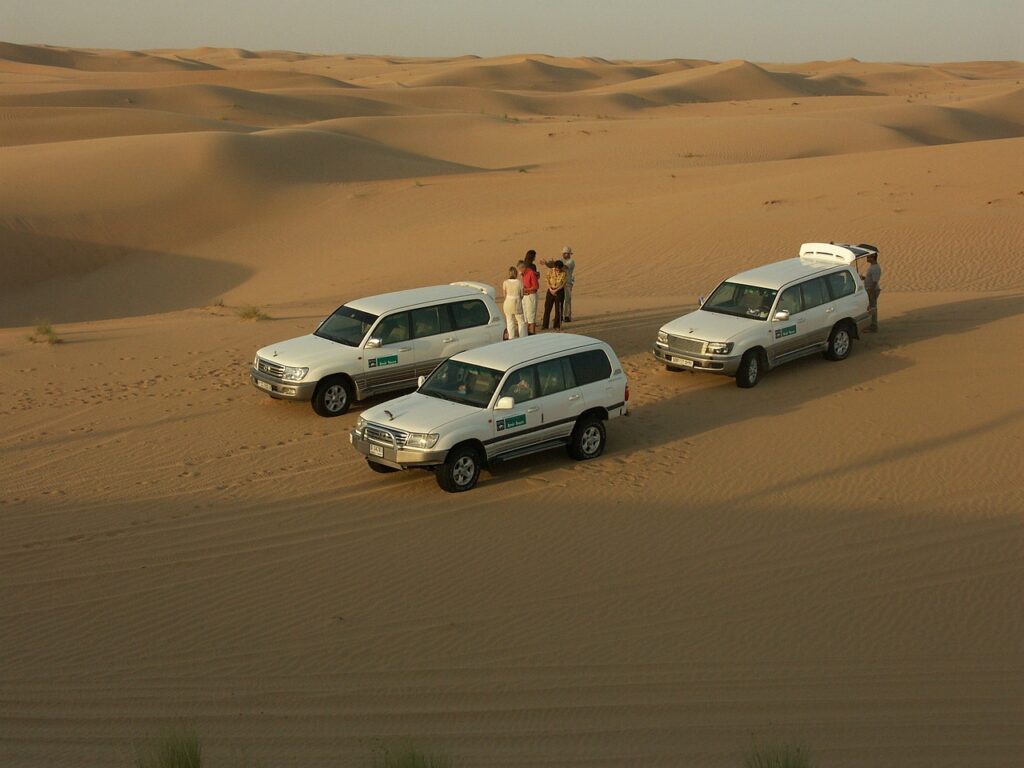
x=872, y=284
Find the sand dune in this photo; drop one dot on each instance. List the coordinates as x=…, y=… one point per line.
x=830, y=559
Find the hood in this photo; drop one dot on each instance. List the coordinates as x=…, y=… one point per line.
x=306, y=352
x=418, y=413
x=711, y=326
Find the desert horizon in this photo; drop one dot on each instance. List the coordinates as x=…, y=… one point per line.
x=830, y=560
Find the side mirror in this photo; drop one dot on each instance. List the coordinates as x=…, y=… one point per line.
x=505, y=404
x=419, y=381
x=782, y=315
x=373, y=343
x=700, y=301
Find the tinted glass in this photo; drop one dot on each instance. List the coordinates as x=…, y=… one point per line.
x=791, y=301
x=590, y=366
x=468, y=314
x=346, y=326
x=521, y=385
x=840, y=284
x=393, y=328
x=551, y=377
x=462, y=383
x=429, y=321
x=815, y=292
x=741, y=300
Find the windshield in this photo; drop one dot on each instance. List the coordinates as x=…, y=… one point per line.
x=741, y=300
x=462, y=383
x=346, y=326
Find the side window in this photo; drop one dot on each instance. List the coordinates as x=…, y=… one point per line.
x=429, y=321
x=791, y=300
x=815, y=292
x=570, y=377
x=469, y=314
x=551, y=376
x=841, y=284
x=521, y=385
x=393, y=328
x=591, y=366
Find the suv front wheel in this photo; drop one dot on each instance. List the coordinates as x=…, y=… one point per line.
x=460, y=470
x=751, y=365
x=587, y=441
x=332, y=397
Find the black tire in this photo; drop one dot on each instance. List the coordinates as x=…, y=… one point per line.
x=588, y=439
x=460, y=470
x=381, y=468
x=333, y=396
x=750, y=370
x=840, y=342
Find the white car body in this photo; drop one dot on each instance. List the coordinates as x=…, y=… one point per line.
x=402, y=336
x=566, y=381
x=813, y=303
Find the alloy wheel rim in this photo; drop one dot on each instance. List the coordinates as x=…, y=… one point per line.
x=842, y=343
x=335, y=397
x=591, y=440
x=463, y=470
x=752, y=369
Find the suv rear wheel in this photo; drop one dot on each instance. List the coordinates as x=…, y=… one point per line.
x=751, y=366
x=587, y=441
x=332, y=397
x=460, y=470
x=839, y=342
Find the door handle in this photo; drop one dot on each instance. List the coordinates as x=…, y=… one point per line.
x=830, y=310
x=573, y=397
x=449, y=340
x=404, y=349
x=534, y=409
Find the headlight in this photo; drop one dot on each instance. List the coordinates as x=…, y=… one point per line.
x=421, y=440
x=256, y=360
x=294, y=374
x=360, y=425
x=719, y=348
x=663, y=338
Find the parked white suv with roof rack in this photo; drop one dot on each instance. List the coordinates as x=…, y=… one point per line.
x=762, y=318
x=378, y=344
x=495, y=403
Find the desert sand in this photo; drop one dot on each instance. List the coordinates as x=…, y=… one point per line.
x=832, y=559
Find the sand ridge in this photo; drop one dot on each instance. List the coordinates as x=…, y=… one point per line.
x=831, y=558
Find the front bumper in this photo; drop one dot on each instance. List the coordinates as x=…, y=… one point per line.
x=290, y=390
x=725, y=365
x=391, y=456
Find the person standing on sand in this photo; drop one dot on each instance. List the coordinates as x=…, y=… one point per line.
x=569, y=267
x=872, y=284
x=531, y=284
x=515, y=322
x=555, y=295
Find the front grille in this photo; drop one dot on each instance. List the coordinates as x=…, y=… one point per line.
x=683, y=344
x=265, y=366
x=386, y=436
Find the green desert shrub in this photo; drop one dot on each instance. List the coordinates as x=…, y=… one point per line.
x=180, y=749
x=783, y=756
x=252, y=313
x=410, y=757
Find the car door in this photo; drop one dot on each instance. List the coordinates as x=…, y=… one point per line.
x=819, y=311
x=561, y=400
x=787, y=336
x=433, y=337
x=592, y=373
x=473, y=324
x=392, y=365
x=515, y=428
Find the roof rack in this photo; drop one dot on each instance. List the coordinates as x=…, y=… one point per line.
x=836, y=253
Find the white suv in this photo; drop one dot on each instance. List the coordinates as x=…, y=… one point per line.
x=378, y=344
x=498, y=402
x=767, y=316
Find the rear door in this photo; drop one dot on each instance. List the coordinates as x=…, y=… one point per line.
x=592, y=372
x=433, y=336
x=561, y=400
x=473, y=324
x=518, y=426
x=819, y=309
x=392, y=365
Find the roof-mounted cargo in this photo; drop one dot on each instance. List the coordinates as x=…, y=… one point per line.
x=836, y=253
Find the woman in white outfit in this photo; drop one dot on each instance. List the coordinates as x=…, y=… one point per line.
x=515, y=320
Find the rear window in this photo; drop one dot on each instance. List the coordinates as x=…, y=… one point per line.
x=590, y=366
x=469, y=314
x=840, y=284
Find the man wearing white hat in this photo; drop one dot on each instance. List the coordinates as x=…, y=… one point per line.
x=569, y=264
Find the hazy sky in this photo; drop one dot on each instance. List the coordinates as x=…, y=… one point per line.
x=763, y=30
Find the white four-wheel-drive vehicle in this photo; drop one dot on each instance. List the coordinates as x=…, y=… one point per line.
x=498, y=402
x=378, y=344
x=759, y=319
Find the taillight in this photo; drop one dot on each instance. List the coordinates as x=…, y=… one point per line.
x=626, y=396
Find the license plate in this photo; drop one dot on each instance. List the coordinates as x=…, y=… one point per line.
x=264, y=385
x=376, y=450
x=683, y=362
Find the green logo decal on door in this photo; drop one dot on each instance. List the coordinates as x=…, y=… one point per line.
x=380, y=362
x=789, y=330
x=510, y=423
